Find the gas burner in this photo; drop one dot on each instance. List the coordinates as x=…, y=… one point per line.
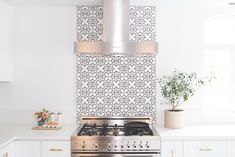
x=138, y=128
x=116, y=130
x=128, y=129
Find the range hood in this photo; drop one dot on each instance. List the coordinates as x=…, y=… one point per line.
x=116, y=34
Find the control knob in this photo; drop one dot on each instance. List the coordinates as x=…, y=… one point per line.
x=141, y=145
x=109, y=146
x=128, y=145
x=147, y=144
x=134, y=145
x=83, y=144
x=96, y=145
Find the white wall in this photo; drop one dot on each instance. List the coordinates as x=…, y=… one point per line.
x=181, y=46
x=44, y=65
x=180, y=37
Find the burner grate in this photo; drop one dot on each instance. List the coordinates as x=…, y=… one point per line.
x=129, y=129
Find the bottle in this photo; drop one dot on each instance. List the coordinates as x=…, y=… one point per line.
x=52, y=116
x=59, y=118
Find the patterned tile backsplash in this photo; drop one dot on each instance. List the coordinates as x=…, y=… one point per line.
x=116, y=85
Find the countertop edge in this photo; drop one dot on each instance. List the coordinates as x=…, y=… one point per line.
x=24, y=132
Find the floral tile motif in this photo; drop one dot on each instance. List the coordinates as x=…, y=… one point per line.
x=116, y=85
x=143, y=23
x=89, y=23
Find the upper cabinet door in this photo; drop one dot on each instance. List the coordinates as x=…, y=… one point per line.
x=172, y=149
x=6, y=18
x=27, y=149
x=205, y=149
x=5, y=67
x=56, y=149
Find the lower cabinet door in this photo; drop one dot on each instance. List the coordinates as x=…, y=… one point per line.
x=27, y=149
x=172, y=149
x=56, y=149
x=205, y=149
x=7, y=151
x=231, y=148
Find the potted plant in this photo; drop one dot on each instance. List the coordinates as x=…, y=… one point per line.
x=176, y=89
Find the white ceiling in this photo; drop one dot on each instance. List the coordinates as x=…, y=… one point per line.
x=72, y=2
x=198, y=2
x=100, y=2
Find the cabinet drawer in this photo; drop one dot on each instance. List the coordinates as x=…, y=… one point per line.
x=27, y=149
x=56, y=149
x=205, y=149
x=172, y=149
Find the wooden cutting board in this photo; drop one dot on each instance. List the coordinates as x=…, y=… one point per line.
x=45, y=128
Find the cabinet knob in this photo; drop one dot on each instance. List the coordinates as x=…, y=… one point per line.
x=172, y=153
x=56, y=150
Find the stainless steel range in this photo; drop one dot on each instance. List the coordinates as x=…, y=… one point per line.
x=116, y=137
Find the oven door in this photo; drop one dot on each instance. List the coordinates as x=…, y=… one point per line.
x=116, y=155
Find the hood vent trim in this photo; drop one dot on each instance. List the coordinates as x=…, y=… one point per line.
x=102, y=48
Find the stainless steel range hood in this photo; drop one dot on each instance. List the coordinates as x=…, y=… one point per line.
x=116, y=34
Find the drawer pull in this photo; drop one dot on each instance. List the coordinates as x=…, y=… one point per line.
x=5, y=155
x=205, y=149
x=56, y=150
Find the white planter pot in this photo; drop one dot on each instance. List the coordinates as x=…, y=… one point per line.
x=174, y=119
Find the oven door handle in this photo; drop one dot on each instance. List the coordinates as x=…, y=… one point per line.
x=116, y=155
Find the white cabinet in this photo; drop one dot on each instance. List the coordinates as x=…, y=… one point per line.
x=205, y=149
x=6, y=17
x=42, y=149
x=56, y=149
x=7, y=151
x=231, y=148
x=27, y=149
x=198, y=148
x=172, y=149
x=5, y=67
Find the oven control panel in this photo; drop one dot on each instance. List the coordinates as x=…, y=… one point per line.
x=116, y=145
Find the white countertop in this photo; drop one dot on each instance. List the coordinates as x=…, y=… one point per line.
x=11, y=132
x=198, y=132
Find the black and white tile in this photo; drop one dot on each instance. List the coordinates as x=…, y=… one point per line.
x=143, y=23
x=89, y=23
x=116, y=85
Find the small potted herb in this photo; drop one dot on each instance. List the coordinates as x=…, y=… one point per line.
x=176, y=89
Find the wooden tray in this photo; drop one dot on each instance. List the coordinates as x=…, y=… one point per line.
x=44, y=128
